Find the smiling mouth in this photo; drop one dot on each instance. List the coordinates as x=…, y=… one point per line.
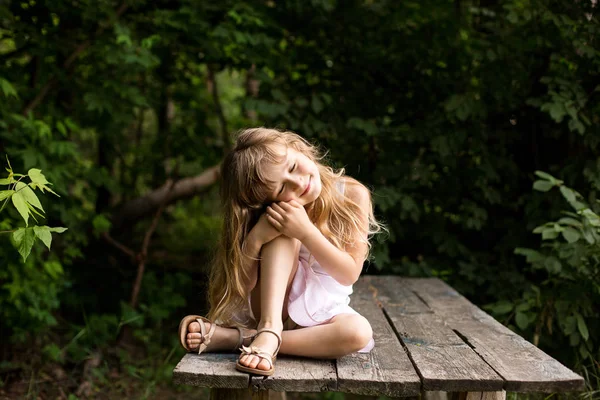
x=307, y=187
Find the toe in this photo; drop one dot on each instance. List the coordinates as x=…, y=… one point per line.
x=254, y=362
x=264, y=365
x=194, y=327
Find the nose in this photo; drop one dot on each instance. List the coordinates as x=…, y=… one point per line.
x=298, y=184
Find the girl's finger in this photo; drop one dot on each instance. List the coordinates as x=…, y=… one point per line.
x=285, y=206
x=274, y=214
x=278, y=207
x=294, y=203
x=274, y=222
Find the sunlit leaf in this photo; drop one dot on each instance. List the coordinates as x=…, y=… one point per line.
x=24, y=239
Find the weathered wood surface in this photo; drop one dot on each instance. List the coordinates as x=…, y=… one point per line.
x=295, y=374
x=443, y=360
x=215, y=370
x=523, y=366
x=385, y=370
x=427, y=337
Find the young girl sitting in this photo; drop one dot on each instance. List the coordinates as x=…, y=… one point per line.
x=293, y=243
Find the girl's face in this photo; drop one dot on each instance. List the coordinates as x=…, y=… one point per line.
x=296, y=178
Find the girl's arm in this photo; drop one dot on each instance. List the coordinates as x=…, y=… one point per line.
x=345, y=265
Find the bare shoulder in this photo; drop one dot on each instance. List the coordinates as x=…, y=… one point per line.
x=356, y=191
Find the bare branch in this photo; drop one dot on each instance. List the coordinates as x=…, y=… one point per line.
x=118, y=245
x=218, y=109
x=144, y=251
x=183, y=188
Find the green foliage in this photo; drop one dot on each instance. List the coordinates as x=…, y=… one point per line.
x=444, y=109
x=27, y=203
x=565, y=299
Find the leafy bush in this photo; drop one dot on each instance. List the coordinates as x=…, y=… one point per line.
x=559, y=308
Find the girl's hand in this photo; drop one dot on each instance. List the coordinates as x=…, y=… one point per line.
x=263, y=231
x=290, y=219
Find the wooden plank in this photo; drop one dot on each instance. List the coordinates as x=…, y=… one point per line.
x=524, y=367
x=215, y=370
x=245, y=394
x=297, y=374
x=441, y=358
x=385, y=370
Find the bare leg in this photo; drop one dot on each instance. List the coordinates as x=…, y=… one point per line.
x=279, y=258
x=343, y=334
x=223, y=339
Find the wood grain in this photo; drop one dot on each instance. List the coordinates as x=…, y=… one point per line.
x=296, y=374
x=442, y=359
x=524, y=367
x=214, y=370
x=386, y=370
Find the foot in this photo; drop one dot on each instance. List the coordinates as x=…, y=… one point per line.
x=222, y=339
x=267, y=342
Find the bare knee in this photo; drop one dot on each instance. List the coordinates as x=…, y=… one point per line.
x=355, y=332
x=281, y=243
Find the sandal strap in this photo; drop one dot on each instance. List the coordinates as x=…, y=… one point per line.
x=277, y=335
x=241, y=337
x=205, y=337
x=246, y=350
x=257, y=351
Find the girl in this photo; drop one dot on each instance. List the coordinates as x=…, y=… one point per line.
x=294, y=240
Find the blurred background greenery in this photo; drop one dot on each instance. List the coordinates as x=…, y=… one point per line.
x=444, y=108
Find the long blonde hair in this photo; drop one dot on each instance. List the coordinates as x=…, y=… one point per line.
x=244, y=193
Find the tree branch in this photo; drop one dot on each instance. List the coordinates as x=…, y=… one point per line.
x=183, y=188
x=218, y=109
x=126, y=250
x=144, y=251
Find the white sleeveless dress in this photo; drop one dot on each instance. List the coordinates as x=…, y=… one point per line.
x=315, y=297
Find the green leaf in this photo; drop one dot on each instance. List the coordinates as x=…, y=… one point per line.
x=502, y=307
x=568, y=194
x=522, y=320
x=532, y=255
x=571, y=235
x=570, y=221
x=552, y=265
x=54, y=269
x=4, y=194
x=549, y=233
x=542, y=186
x=39, y=180
x=546, y=176
x=28, y=195
x=7, y=88
x=58, y=229
x=43, y=233
x=20, y=204
x=582, y=327
x=101, y=224
x=5, y=181
x=24, y=239
x=61, y=128
x=589, y=237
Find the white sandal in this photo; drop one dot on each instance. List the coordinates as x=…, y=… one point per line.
x=206, y=336
x=257, y=351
